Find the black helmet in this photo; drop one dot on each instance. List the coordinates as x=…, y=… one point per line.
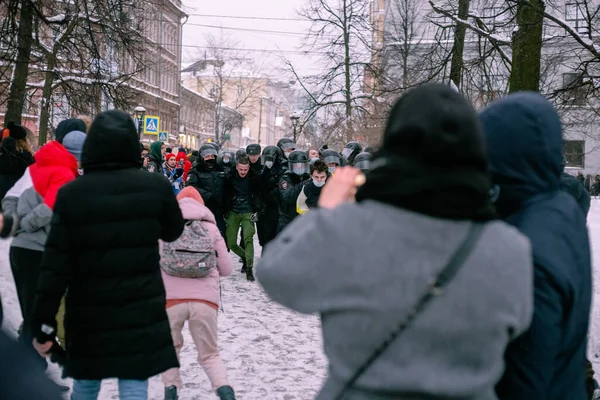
x=351, y=149
x=271, y=155
x=323, y=148
x=253, y=149
x=362, y=161
x=240, y=153
x=208, y=149
x=331, y=156
x=298, y=162
x=286, y=144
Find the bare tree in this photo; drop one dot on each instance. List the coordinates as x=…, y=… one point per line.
x=340, y=31
x=25, y=9
x=81, y=45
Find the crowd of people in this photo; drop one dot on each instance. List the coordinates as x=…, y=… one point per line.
x=457, y=254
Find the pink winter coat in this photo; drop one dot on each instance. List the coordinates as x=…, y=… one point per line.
x=206, y=288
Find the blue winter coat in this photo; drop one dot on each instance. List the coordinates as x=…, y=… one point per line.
x=524, y=141
x=175, y=176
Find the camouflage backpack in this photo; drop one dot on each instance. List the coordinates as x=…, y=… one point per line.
x=192, y=255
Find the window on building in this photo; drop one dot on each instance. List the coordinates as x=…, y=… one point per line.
x=575, y=153
x=573, y=89
x=575, y=15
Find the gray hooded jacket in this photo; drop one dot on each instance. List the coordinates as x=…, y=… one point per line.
x=364, y=281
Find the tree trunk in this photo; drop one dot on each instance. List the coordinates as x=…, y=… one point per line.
x=456, y=64
x=348, y=85
x=527, y=47
x=46, y=101
x=18, y=86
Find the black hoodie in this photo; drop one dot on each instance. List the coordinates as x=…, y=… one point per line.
x=103, y=248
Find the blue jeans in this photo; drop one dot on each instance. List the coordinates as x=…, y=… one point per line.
x=128, y=390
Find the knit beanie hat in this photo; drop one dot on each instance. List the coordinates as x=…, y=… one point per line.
x=169, y=156
x=16, y=131
x=73, y=142
x=192, y=193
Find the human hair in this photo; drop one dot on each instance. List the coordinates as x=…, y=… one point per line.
x=243, y=159
x=318, y=166
x=23, y=145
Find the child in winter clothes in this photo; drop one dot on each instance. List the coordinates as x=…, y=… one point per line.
x=197, y=301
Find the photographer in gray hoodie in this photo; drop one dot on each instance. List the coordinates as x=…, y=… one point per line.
x=424, y=199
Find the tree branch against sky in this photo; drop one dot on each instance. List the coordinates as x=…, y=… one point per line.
x=341, y=32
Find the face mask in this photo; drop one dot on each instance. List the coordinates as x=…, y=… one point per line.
x=269, y=164
x=210, y=163
x=331, y=169
x=299, y=170
x=226, y=161
x=312, y=160
x=318, y=184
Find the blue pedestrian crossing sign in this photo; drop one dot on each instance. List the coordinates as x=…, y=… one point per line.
x=151, y=125
x=163, y=136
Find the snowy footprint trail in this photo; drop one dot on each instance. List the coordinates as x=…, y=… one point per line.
x=270, y=352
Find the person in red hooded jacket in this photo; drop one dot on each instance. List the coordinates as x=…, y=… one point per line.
x=183, y=162
x=31, y=201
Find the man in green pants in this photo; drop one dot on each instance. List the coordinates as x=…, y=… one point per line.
x=241, y=189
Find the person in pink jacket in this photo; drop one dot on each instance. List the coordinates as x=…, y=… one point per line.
x=197, y=301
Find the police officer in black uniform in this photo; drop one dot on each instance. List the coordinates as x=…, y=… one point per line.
x=286, y=145
x=208, y=177
x=253, y=151
x=290, y=186
x=351, y=150
x=274, y=168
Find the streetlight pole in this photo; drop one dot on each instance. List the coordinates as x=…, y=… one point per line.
x=295, y=120
x=140, y=112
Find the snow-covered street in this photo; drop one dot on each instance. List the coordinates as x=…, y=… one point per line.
x=270, y=352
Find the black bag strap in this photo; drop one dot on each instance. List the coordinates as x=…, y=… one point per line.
x=435, y=289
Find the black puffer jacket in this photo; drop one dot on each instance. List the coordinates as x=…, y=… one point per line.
x=13, y=164
x=254, y=186
x=103, y=251
x=210, y=182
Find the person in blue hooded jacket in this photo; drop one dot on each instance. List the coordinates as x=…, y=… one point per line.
x=524, y=143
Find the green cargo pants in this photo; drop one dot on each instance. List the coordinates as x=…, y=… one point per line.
x=234, y=221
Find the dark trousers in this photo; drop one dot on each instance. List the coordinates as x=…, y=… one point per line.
x=270, y=222
x=222, y=225
x=26, y=267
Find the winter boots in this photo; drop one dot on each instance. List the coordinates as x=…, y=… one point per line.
x=250, y=272
x=226, y=393
x=171, y=393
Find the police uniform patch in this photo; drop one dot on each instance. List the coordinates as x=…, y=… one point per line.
x=283, y=185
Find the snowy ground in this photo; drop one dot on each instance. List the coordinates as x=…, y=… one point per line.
x=270, y=352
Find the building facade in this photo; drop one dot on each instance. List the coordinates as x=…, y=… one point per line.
x=266, y=105
x=417, y=39
x=156, y=88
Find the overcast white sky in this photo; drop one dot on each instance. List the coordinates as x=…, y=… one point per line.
x=193, y=35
